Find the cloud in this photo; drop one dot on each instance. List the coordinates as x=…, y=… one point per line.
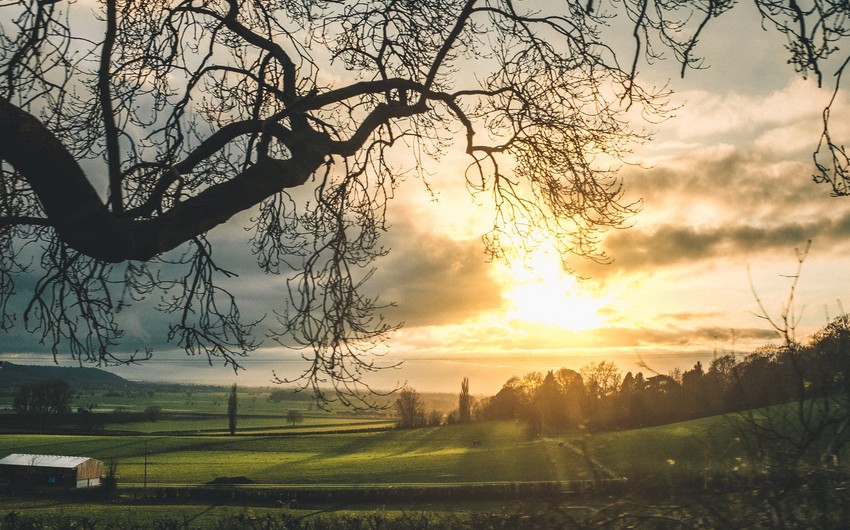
x=688, y=316
x=637, y=251
x=673, y=245
x=512, y=339
x=747, y=118
x=723, y=202
x=435, y=279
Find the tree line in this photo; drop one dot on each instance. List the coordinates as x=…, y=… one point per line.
x=600, y=397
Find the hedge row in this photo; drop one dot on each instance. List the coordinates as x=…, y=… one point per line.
x=290, y=495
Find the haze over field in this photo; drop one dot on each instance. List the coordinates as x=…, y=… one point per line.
x=727, y=195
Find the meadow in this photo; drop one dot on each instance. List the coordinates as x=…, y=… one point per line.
x=446, y=454
x=187, y=447
x=423, y=459
x=188, y=443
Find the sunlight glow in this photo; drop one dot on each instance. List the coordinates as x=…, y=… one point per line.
x=541, y=292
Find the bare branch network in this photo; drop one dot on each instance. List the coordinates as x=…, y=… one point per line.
x=130, y=128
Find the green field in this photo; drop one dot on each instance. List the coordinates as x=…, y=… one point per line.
x=332, y=451
x=507, y=452
x=188, y=444
x=704, y=446
x=665, y=460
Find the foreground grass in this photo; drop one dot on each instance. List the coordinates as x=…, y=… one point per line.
x=516, y=516
x=704, y=447
x=82, y=515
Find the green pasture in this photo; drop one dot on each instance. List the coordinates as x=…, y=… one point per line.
x=507, y=452
x=203, y=410
x=665, y=456
x=704, y=447
x=190, y=399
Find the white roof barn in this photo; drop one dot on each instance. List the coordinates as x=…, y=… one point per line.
x=50, y=471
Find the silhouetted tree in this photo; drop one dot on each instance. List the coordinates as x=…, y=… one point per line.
x=435, y=418
x=152, y=412
x=109, y=482
x=123, y=143
x=694, y=395
x=719, y=384
x=626, y=399
x=547, y=401
x=505, y=405
x=410, y=409
x=662, y=393
x=294, y=416
x=276, y=396
x=40, y=399
x=464, y=402
x=231, y=409
x=196, y=112
x=572, y=396
x=602, y=383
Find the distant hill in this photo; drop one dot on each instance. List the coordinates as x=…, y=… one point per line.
x=13, y=376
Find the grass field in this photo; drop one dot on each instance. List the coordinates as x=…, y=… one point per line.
x=507, y=452
x=432, y=455
x=662, y=458
x=202, y=516
x=188, y=444
x=705, y=446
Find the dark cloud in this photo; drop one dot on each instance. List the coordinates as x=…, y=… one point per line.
x=752, y=182
x=757, y=208
x=689, y=316
x=673, y=245
x=431, y=278
x=435, y=280
x=637, y=337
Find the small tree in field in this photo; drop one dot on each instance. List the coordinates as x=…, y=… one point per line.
x=294, y=416
x=109, y=482
x=231, y=409
x=411, y=410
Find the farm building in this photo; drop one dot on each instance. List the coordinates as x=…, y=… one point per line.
x=50, y=471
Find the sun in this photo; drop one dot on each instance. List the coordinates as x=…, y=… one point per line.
x=540, y=292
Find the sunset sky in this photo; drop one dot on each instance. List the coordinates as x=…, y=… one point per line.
x=727, y=196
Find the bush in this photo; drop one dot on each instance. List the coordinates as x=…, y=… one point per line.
x=152, y=413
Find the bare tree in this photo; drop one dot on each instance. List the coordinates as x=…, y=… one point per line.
x=124, y=139
x=797, y=449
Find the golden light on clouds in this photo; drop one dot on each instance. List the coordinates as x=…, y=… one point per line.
x=540, y=292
